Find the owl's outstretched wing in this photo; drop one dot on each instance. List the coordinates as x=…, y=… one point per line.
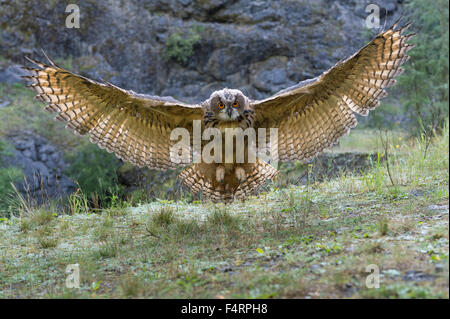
x=312, y=115
x=135, y=127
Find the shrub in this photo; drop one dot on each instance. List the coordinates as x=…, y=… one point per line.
x=94, y=170
x=180, y=46
x=7, y=175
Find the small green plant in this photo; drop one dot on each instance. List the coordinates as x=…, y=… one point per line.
x=164, y=217
x=374, y=179
x=131, y=286
x=96, y=173
x=220, y=216
x=25, y=225
x=383, y=226
x=107, y=250
x=78, y=203
x=329, y=248
x=47, y=242
x=104, y=230
x=42, y=217
x=117, y=206
x=8, y=175
x=180, y=45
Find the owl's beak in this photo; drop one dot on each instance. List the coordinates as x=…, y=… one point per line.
x=229, y=112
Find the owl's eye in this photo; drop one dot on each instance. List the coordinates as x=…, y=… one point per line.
x=221, y=105
x=235, y=104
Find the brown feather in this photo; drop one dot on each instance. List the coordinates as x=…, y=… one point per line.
x=115, y=119
x=325, y=105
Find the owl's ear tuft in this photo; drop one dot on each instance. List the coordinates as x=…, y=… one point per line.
x=241, y=99
x=214, y=101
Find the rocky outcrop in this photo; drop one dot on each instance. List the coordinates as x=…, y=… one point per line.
x=11, y=74
x=188, y=48
x=42, y=165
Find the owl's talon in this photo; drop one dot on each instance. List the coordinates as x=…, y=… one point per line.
x=220, y=174
x=240, y=174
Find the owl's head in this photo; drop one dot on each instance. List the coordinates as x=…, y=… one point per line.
x=227, y=105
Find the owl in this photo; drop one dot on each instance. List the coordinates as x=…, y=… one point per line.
x=309, y=116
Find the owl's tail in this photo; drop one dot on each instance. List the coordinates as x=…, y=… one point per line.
x=199, y=181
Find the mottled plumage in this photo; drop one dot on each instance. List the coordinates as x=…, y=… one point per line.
x=309, y=116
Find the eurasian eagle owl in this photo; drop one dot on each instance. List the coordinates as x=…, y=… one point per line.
x=309, y=116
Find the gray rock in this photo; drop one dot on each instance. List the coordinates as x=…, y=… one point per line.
x=4, y=103
x=439, y=267
x=186, y=2
x=127, y=46
x=11, y=74
x=43, y=157
x=438, y=207
x=315, y=268
x=30, y=153
x=391, y=273
x=42, y=165
x=417, y=192
x=414, y=275
x=24, y=143
x=47, y=149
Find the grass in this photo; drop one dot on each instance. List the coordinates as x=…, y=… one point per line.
x=310, y=241
x=366, y=141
